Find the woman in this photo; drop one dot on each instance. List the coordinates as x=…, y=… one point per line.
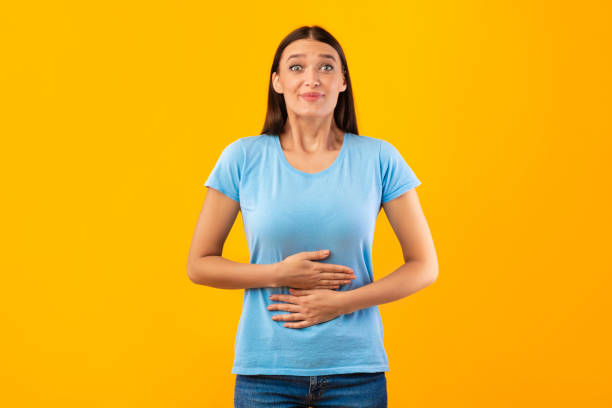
x=310, y=333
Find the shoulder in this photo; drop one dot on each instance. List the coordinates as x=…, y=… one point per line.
x=232, y=153
x=364, y=147
x=244, y=147
x=388, y=152
x=383, y=148
x=254, y=147
x=386, y=148
x=255, y=142
x=370, y=141
x=364, y=141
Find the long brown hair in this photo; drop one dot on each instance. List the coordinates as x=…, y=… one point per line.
x=344, y=113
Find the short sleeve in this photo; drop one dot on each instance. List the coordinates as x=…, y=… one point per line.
x=397, y=176
x=226, y=174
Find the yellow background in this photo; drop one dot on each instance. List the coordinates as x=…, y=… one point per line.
x=114, y=113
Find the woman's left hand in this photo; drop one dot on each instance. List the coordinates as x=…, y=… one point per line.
x=309, y=306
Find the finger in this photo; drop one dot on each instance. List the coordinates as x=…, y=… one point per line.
x=299, y=292
x=284, y=306
x=336, y=281
x=288, y=317
x=333, y=282
x=316, y=254
x=337, y=268
x=338, y=275
x=327, y=287
x=284, y=298
x=298, y=325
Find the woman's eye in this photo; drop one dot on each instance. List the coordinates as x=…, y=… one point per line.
x=291, y=67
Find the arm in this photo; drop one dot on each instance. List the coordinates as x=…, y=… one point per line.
x=421, y=263
x=219, y=272
x=206, y=266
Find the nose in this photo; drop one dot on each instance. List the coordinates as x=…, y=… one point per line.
x=313, y=78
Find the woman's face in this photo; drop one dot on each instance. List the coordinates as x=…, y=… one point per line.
x=309, y=66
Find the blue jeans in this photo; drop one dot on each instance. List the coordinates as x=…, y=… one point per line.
x=355, y=390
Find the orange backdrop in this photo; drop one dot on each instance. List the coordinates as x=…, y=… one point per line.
x=114, y=113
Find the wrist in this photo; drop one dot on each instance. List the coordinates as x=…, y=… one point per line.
x=275, y=275
x=346, y=301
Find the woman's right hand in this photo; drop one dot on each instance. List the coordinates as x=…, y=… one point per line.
x=300, y=272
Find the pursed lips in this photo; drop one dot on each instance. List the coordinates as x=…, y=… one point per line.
x=311, y=96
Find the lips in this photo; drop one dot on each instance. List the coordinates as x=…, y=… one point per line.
x=311, y=96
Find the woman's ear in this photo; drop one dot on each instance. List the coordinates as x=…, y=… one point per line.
x=276, y=84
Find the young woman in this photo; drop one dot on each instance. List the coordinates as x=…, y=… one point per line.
x=310, y=333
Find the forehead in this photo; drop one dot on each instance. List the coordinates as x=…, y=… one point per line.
x=310, y=49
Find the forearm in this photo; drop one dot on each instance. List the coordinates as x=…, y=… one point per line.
x=219, y=272
x=405, y=280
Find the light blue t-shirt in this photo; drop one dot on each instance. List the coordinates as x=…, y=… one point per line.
x=285, y=211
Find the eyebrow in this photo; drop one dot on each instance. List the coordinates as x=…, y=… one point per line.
x=303, y=55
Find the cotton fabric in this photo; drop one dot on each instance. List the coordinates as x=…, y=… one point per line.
x=285, y=211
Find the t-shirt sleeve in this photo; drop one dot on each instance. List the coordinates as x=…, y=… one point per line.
x=397, y=176
x=226, y=174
